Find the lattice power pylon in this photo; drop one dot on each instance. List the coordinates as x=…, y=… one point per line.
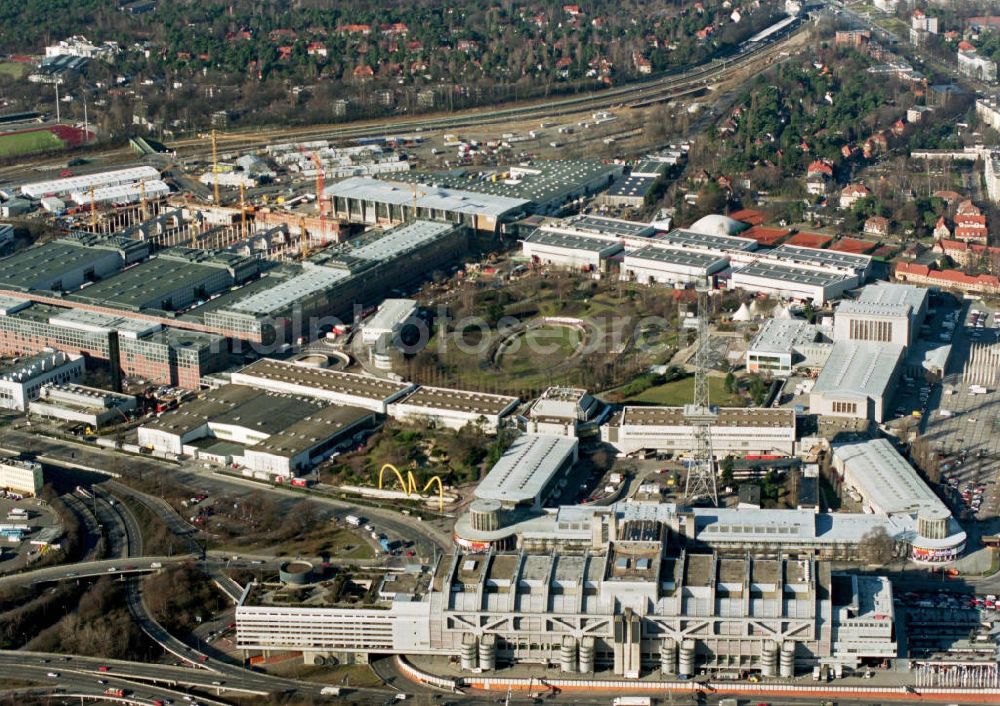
x=700, y=414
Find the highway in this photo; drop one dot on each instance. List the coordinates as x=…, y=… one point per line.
x=90, y=569
x=72, y=455
x=81, y=675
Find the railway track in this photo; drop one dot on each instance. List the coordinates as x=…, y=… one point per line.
x=632, y=95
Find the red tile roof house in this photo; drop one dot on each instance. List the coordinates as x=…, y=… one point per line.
x=354, y=29
x=971, y=233
x=963, y=253
x=967, y=208
x=852, y=193
x=316, y=49
x=877, y=225
x=363, y=73
x=947, y=196
x=819, y=166
x=948, y=279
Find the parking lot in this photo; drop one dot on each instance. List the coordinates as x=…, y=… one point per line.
x=14, y=555
x=962, y=424
x=936, y=620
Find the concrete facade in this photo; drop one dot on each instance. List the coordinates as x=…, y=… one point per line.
x=636, y=606
x=21, y=382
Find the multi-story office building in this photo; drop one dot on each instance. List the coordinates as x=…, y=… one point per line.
x=20, y=476
x=736, y=431
x=638, y=605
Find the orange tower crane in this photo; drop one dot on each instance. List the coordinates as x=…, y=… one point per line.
x=320, y=187
x=243, y=212
x=303, y=238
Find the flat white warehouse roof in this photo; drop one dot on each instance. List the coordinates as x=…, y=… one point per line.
x=673, y=256
x=526, y=468
x=453, y=200
x=602, y=225
x=573, y=241
x=85, y=181
x=861, y=367
x=790, y=275
x=861, y=308
x=400, y=239
x=279, y=376
x=392, y=313
x=689, y=238
x=887, y=293
x=794, y=254
x=464, y=401
x=781, y=335
x=311, y=280
x=884, y=477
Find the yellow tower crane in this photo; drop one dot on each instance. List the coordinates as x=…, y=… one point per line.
x=142, y=199
x=215, y=169
x=93, y=211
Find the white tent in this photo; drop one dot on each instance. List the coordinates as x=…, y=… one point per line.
x=742, y=314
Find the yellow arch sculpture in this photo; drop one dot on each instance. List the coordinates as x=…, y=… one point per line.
x=409, y=484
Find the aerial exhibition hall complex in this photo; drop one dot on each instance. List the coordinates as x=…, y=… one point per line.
x=594, y=352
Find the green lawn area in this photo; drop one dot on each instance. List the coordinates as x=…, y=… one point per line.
x=540, y=347
x=359, y=676
x=680, y=392
x=13, y=69
x=28, y=142
x=318, y=543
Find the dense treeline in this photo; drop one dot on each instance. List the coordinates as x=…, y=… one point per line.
x=290, y=60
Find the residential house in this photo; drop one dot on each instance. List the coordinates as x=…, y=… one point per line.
x=971, y=64
x=355, y=29
x=852, y=193
x=941, y=229
x=877, y=225
x=921, y=22
x=964, y=254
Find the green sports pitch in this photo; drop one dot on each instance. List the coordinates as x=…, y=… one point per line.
x=18, y=143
